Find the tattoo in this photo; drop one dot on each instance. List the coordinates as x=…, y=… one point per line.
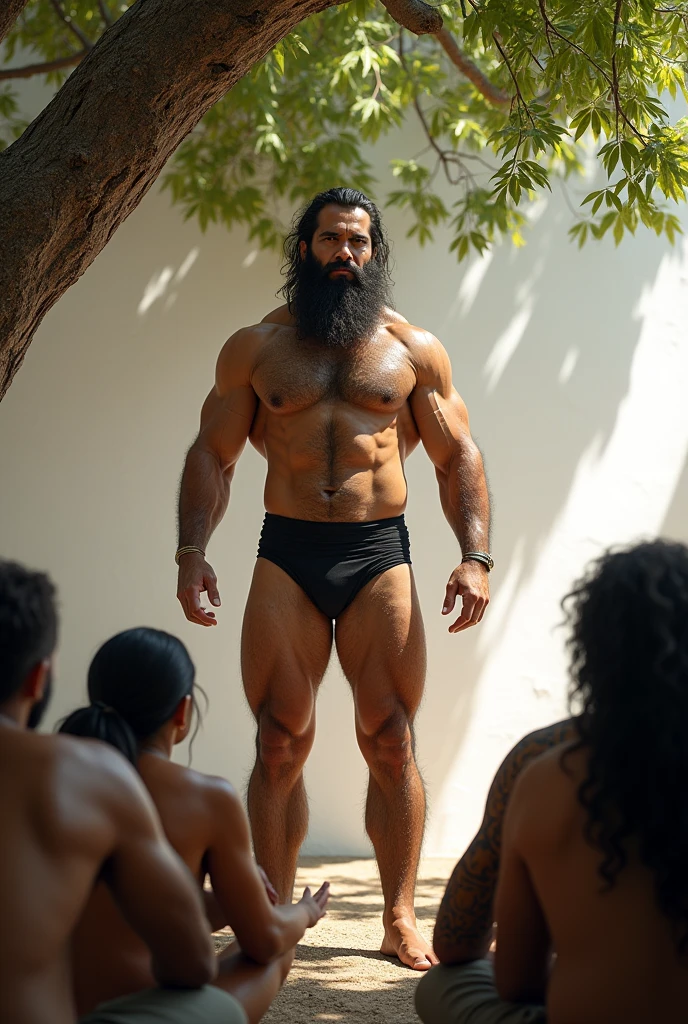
x=465, y=918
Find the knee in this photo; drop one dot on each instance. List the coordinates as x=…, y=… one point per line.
x=281, y=750
x=390, y=748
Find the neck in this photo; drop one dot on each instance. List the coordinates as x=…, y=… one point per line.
x=14, y=715
x=160, y=745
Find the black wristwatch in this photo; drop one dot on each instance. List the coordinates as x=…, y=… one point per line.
x=480, y=556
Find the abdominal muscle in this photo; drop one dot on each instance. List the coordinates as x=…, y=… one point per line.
x=334, y=468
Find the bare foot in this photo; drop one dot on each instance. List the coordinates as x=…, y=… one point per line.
x=402, y=939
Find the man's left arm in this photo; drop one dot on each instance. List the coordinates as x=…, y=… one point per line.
x=442, y=421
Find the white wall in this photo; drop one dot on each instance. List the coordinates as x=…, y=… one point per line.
x=574, y=368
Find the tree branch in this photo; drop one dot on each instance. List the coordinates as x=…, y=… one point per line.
x=71, y=25
x=415, y=15
x=104, y=13
x=42, y=69
x=9, y=12
x=75, y=175
x=470, y=70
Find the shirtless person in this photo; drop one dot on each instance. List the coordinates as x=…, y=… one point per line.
x=335, y=389
x=72, y=813
x=142, y=691
x=595, y=838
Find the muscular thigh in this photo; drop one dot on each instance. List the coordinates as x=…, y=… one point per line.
x=381, y=647
x=285, y=647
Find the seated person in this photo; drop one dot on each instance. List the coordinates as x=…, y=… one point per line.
x=141, y=685
x=595, y=836
x=73, y=813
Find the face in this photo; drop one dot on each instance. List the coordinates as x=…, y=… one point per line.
x=341, y=289
x=342, y=237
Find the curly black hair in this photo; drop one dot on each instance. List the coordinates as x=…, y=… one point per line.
x=306, y=221
x=629, y=645
x=28, y=624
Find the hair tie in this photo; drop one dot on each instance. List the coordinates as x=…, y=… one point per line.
x=103, y=707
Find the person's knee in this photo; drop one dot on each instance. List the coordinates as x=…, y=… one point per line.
x=428, y=997
x=389, y=749
x=281, y=749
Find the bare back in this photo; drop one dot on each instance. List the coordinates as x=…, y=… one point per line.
x=616, y=958
x=72, y=811
x=52, y=849
x=109, y=958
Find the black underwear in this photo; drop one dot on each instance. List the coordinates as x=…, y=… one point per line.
x=332, y=562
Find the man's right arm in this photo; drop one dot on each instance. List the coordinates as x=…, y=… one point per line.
x=150, y=884
x=463, y=930
x=226, y=420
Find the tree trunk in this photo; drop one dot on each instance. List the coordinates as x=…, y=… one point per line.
x=9, y=12
x=88, y=159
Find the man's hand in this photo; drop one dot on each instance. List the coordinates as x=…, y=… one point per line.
x=269, y=887
x=195, y=577
x=316, y=903
x=469, y=582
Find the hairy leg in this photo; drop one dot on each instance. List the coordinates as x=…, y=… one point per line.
x=381, y=647
x=253, y=985
x=285, y=647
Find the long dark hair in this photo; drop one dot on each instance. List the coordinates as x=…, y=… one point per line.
x=306, y=221
x=629, y=647
x=135, y=683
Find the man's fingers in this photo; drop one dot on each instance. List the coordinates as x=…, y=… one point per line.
x=211, y=586
x=194, y=610
x=450, y=597
x=464, y=619
x=322, y=895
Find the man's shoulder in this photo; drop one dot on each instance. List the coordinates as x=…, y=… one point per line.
x=424, y=349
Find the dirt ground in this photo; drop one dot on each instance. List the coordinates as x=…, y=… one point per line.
x=339, y=973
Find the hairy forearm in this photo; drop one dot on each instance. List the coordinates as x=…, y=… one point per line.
x=203, y=497
x=465, y=498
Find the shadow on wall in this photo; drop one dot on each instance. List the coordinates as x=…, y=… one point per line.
x=541, y=341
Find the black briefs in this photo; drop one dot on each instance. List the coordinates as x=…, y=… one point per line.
x=332, y=562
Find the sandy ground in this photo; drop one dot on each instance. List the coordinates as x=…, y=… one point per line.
x=339, y=973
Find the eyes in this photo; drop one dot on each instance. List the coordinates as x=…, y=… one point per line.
x=358, y=241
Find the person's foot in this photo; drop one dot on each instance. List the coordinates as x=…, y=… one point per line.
x=403, y=940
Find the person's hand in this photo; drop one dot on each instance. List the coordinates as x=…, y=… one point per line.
x=269, y=887
x=316, y=903
x=469, y=582
x=195, y=577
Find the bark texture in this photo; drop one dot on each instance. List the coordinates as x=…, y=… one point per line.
x=88, y=159
x=9, y=12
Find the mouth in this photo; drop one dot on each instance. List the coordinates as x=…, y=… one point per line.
x=342, y=272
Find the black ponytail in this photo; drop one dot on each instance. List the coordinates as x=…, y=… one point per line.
x=135, y=683
x=100, y=722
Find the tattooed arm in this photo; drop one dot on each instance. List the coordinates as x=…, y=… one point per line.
x=463, y=930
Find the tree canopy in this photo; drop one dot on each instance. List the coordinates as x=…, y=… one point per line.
x=508, y=94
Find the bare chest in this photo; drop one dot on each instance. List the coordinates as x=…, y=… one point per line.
x=375, y=376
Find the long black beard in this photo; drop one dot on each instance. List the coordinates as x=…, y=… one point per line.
x=336, y=311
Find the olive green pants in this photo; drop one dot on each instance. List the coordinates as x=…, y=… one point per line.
x=466, y=994
x=207, y=1005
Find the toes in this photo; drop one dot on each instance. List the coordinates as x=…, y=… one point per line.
x=422, y=963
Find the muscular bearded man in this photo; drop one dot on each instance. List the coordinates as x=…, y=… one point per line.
x=335, y=390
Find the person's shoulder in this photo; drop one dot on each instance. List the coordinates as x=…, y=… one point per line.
x=220, y=793
x=544, y=793
x=532, y=746
x=96, y=764
x=425, y=351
